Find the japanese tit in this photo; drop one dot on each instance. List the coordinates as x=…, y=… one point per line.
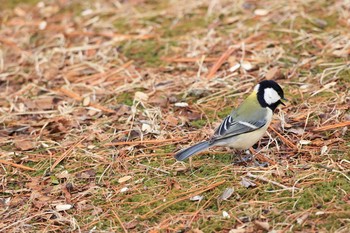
x=246, y=124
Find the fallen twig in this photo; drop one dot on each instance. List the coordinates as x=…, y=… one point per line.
x=189, y=59
x=271, y=182
x=261, y=157
x=120, y=221
x=77, y=97
x=219, y=62
x=17, y=165
x=333, y=126
x=285, y=140
x=66, y=153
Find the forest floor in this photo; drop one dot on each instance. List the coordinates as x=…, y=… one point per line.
x=96, y=96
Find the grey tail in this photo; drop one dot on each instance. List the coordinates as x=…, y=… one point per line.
x=185, y=153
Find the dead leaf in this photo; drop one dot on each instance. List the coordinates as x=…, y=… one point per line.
x=44, y=103
x=247, y=183
x=87, y=174
x=124, y=189
x=124, y=179
x=271, y=73
x=196, y=198
x=181, y=104
x=235, y=67
x=86, y=101
x=63, y=175
x=63, y=207
x=39, y=204
x=66, y=193
x=131, y=225
x=225, y=215
x=302, y=219
x=122, y=109
x=24, y=145
x=96, y=211
x=263, y=225
x=246, y=65
x=261, y=12
x=226, y=194
x=141, y=96
x=171, y=120
x=158, y=100
x=238, y=230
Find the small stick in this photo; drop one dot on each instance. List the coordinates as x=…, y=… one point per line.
x=17, y=165
x=285, y=140
x=66, y=153
x=70, y=94
x=77, y=97
x=189, y=59
x=270, y=181
x=261, y=157
x=327, y=127
x=149, y=155
x=219, y=62
x=120, y=221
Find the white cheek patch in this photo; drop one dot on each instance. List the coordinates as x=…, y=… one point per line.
x=271, y=96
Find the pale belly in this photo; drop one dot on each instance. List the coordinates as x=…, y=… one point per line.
x=243, y=141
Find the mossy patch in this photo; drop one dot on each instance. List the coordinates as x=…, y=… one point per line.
x=125, y=98
x=147, y=52
x=13, y=3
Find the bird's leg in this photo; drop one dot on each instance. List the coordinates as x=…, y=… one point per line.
x=256, y=162
x=242, y=159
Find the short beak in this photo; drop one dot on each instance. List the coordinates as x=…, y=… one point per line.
x=284, y=100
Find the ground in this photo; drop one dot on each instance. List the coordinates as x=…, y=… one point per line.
x=96, y=96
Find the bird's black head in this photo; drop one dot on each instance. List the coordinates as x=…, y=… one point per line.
x=269, y=94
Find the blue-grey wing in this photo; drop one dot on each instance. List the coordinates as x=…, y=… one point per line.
x=232, y=127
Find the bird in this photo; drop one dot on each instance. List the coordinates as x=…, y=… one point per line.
x=246, y=124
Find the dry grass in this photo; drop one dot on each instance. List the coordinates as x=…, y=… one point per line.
x=89, y=116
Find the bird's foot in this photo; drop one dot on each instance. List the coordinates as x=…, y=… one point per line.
x=262, y=164
x=243, y=159
x=247, y=158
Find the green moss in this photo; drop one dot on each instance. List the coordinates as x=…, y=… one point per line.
x=323, y=193
x=168, y=148
x=13, y=3
x=216, y=224
x=121, y=25
x=125, y=98
x=147, y=52
x=186, y=25
x=224, y=112
x=198, y=123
